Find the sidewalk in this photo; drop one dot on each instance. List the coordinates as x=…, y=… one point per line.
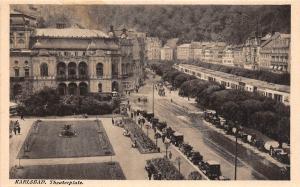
x=186, y=167
x=190, y=105
x=131, y=160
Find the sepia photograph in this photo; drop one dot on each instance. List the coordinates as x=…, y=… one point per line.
x=149, y=92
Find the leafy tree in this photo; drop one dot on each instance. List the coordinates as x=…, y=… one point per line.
x=190, y=22
x=181, y=78
x=248, y=107
x=232, y=111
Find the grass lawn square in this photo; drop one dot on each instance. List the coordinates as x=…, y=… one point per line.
x=45, y=141
x=89, y=171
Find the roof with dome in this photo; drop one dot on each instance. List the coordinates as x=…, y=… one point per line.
x=70, y=33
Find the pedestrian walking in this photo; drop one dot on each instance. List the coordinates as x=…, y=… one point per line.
x=149, y=175
x=112, y=121
x=147, y=168
x=22, y=117
x=170, y=155
x=128, y=92
x=163, y=138
x=15, y=129
x=19, y=129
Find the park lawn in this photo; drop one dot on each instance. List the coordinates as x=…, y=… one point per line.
x=91, y=140
x=89, y=171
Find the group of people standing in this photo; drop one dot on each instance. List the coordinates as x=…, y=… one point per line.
x=15, y=128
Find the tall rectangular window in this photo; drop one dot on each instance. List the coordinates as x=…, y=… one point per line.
x=17, y=73
x=26, y=72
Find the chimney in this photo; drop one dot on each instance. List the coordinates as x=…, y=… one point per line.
x=111, y=32
x=124, y=31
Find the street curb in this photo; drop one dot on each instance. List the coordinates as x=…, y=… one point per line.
x=201, y=172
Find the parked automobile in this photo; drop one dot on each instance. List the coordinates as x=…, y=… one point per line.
x=195, y=157
x=169, y=132
x=209, y=114
x=280, y=155
x=177, y=138
x=185, y=148
x=148, y=116
x=161, y=125
x=212, y=169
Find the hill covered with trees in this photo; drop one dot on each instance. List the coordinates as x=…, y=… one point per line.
x=229, y=23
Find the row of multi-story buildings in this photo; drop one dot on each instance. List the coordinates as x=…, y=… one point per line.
x=73, y=60
x=271, y=52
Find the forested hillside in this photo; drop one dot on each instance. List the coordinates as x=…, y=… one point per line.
x=231, y=24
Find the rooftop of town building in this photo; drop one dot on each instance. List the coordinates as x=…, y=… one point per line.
x=253, y=82
x=72, y=32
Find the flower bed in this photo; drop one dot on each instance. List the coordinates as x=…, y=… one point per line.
x=144, y=143
x=166, y=169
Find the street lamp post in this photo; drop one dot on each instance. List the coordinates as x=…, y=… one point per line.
x=235, y=159
x=178, y=160
x=156, y=136
x=236, y=152
x=147, y=129
x=153, y=100
x=167, y=144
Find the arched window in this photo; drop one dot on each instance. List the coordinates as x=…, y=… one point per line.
x=21, y=41
x=72, y=70
x=44, y=70
x=99, y=87
x=82, y=68
x=83, y=88
x=99, y=70
x=62, y=89
x=61, y=69
x=72, y=89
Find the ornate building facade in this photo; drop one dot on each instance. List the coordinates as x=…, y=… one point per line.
x=73, y=60
x=275, y=53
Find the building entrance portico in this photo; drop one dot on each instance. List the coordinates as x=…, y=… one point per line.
x=73, y=88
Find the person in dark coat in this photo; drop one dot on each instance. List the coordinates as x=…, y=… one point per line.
x=22, y=117
x=147, y=168
x=112, y=121
x=19, y=129
x=15, y=129
x=163, y=136
x=170, y=155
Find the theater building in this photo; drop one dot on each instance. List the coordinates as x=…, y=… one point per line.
x=73, y=60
